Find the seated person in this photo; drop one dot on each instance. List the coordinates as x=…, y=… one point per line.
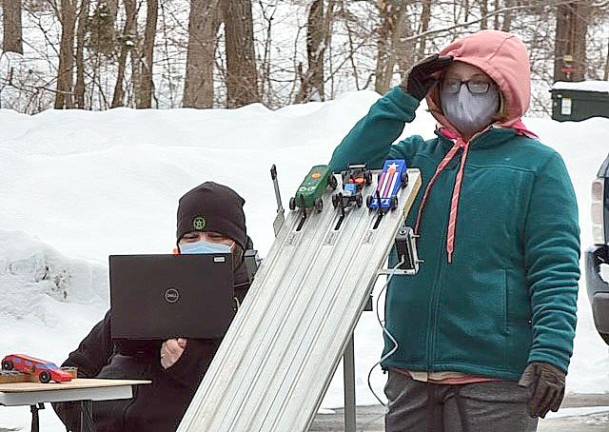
x=176, y=366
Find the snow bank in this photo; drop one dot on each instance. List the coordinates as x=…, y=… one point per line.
x=589, y=86
x=31, y=271
x=92, y=184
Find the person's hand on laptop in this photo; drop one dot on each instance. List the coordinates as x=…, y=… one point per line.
x=171, y=351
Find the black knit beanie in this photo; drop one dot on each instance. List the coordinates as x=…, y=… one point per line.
x=212, y=207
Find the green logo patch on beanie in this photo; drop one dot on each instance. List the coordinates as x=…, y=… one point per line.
x=199, y=223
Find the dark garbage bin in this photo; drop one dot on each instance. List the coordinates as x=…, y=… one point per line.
x=576, y=101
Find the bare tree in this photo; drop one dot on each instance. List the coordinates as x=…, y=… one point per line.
x=144, y=83
x=483, y=14
x=507, y=16
x=312, y=81
x=113, y=8
x=203, y=25
x=405, y=46
x=360, y=44
x=13, y=31
x=242, y=76
x=351, y=55
x=466, y=9
x=265, y=78
x=79, y=88
x=65, y=76
x=606, y=73
x=127, y=40
x=570, y=41
x=391, y=15
x=319, y=37
x=425, y=19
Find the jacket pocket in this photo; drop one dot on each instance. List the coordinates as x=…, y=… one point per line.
x=498, y=303
x=518, y=320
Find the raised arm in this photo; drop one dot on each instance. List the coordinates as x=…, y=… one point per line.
x=370, y=141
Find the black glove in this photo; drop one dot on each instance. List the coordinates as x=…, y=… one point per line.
x=422, y=77
x=546, y=385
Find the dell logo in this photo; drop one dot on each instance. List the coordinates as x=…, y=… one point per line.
x=172, y=295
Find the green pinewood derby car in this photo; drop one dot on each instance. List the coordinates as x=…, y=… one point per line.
x=312, y=188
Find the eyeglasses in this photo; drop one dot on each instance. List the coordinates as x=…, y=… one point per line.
x=475, y=86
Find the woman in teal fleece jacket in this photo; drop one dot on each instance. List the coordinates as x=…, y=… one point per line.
x=495, y=300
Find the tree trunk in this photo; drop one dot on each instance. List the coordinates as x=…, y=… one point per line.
x=13, y=31
x=483, y=14
x=579, y=40
x=113, y=8
x=312, y=82
x=136, y=72
x=65, y=77
x=425, y=18
x=561, y=42
x=391, y=14
x=606, y=74
x=507, y=16
x=352, y=50
x=570, y=41
x=319, y=36
x=405, y=48
x=144, y=95
x=497, y=6
x=203, y=24
x=127, y=41
x=79, y=88
x=241, y=74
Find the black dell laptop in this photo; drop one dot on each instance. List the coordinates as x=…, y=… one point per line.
x=159, y=297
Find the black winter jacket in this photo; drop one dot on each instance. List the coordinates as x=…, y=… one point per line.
x=156, y=407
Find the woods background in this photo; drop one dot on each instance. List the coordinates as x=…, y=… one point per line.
x=100, y=54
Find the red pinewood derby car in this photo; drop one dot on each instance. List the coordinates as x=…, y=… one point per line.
x=44, y=370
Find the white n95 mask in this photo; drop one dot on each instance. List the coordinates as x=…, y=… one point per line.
x=470, y=113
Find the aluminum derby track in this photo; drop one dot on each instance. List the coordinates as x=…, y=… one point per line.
x=278, y=357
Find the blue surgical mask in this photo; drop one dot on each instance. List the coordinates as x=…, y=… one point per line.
x=203, y=247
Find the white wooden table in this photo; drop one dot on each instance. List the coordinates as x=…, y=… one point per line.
x=85, y=391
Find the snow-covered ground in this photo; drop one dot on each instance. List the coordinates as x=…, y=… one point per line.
x=77, y=186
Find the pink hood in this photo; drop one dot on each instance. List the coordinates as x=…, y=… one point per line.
x=504, y=58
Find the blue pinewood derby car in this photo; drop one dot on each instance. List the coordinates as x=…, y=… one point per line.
x=391, y=180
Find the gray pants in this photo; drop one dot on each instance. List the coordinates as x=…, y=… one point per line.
x=421, y=407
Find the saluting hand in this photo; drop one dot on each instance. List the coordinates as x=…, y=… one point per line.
x=424, y=75
x=171, y=351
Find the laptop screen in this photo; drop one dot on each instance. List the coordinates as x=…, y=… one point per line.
x=158, y=297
